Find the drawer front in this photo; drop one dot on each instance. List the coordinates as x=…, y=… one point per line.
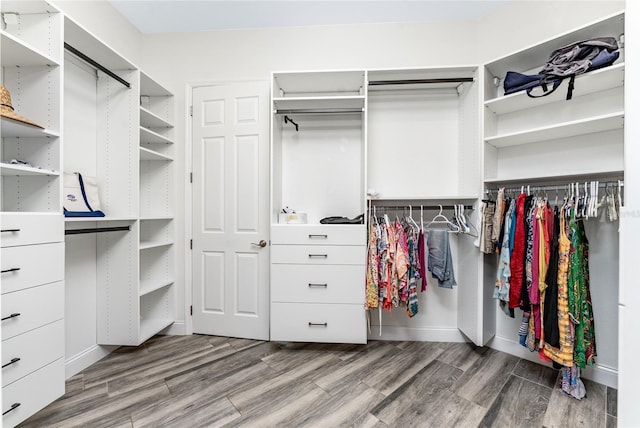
x=26, y=353
x=32, y=393
x=36, y=306
x=310, y=322
x=337, y=234
x=31, y=265
x=319, y=254
x=29, y=229
x=317, y=283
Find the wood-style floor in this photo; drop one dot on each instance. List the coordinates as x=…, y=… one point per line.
x=197, y=381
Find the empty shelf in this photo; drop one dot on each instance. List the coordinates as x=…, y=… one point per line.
x=149, y=136
x=149, y=286
x=146, y=154
x=18, y=170
x=16, y=52
x=149, y=119
x=145, y=245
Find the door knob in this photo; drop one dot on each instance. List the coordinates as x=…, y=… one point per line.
x=260, y=244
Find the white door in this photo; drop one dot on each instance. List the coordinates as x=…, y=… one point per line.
x=231, y=210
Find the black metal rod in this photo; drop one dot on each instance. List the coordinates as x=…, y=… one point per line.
x=420, y=81
x=97, y=65
x=97, y=230
x=319, y=111
x=417, y=207
x=16, y=269
x=11, y=316
x=13, y=361
x=13, y=407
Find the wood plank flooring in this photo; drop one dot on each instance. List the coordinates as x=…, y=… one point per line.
x=208, y=381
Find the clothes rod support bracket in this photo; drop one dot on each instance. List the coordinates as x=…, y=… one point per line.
x=97, y=65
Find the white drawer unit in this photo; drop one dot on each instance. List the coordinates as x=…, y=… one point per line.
x=33, y=392
x=31, y=308
x=317, y=283
x=31, y=265
x=311, y=322
x=30, y=228
x=322, y=234
x=318, y=254
x=26, y=353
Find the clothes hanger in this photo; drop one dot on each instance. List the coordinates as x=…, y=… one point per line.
x=441, y=219
x=412, y=221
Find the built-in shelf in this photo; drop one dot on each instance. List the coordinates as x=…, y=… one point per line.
x=558, y=178
x=18, y=170
x=152, y=326
x=145, y=245
x=427, y=200
x=149, y=119
x=15, y=52
x=149, y=136
x=588, y=83
x=98, y=219
x=149, y=286
x=14, y=128
x=150, y=88
x=152, y=218
x=146, y=154
x=589, y=125
x=329, y=102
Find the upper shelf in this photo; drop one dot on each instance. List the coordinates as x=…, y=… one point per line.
x=331, y=102
x=149, y=119
x=322, y=84
x=148, y=136
x=15, y=52
x=590, y=125
x=588, y=83
x=19, y=170
x=14, y=128
x=151, y=88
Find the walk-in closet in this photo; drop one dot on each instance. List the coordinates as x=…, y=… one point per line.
x=270, y=224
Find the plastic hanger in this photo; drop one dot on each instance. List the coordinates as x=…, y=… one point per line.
x=441, y=219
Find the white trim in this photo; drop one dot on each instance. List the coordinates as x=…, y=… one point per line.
x=178, y=328
x=84, y=359
x=599, y=373
x=419, y=334
x=188, y=211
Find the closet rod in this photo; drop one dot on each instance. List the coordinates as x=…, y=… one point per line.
x=601, y=184
x=97, y=65
x=419, y=81
x=97, y=230
x=319, y=111
x=417, y=207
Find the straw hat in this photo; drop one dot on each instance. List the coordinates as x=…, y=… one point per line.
x=6, y=109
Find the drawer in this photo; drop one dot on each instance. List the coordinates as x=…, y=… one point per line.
x=32, y=393
x=31, y=351
x=317, y=283
x=319, y=254
x=319, y=234
x=33, y=264
x=37, y=306
x=311, y=322
x=29, y=229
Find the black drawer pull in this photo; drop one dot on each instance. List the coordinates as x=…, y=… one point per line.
x=11, y=316
x=318, y=256
x=10, y=270
x=317, y=324
x=13, y=407
x=317, y=285
x=10, y=230
x=13, y=361
x=318, y=236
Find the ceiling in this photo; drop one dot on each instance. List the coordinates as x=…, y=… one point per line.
x=167, y=16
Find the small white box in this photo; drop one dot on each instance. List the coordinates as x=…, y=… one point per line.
x=292, y=218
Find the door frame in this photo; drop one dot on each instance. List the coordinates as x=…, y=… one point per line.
x=188, y=206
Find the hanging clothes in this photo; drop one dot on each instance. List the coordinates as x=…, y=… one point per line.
x=440, y=261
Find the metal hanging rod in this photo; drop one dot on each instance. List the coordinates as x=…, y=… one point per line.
x=97, y=65
x=420, y=81
x=417, y=207
x=558, y=187
x=319, y=111
x=97, y=230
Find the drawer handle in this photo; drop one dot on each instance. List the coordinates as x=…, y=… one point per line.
x=311, y=285
x=11, y=316
x=318, y=236
x=318, y=256
x=13, y=407
x=10, y=270
x=13, y=361
x=10, y=231
x=317, y=324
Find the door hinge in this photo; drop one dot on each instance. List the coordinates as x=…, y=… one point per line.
x=191, y=310
x=191, y=111
x=191, y=177
x=191, y=244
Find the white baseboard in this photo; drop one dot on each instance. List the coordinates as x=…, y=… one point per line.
x=84, y=359
x=178, y=328
x=419, y=334
x=597, y=373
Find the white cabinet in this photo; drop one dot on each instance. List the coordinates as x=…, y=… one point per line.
x=31, y=213
x=318, y=168
x=552, y=141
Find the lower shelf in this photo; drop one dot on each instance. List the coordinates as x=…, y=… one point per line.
x=152, y=326
x=149, y=286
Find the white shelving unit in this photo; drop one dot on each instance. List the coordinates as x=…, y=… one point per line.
x=33, y=278
x=551, y=140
